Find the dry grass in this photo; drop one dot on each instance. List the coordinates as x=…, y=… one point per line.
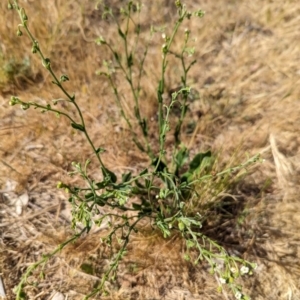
x=248, y=79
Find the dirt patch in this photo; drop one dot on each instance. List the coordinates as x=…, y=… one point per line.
x=247, y=82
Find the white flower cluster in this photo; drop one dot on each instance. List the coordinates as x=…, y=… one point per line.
x=238, y=295
x=244, y=270
x=222, y=280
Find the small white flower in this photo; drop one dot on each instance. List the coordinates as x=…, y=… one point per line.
x=186, y=31
x=244, y=270
x=238, y=295
x=163, y=36
x=233, y=270
x=222, y=280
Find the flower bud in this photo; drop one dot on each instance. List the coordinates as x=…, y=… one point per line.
x=46, y=63
x=23, y=14
x=59, y=185
x=25, y=106
x=178, y=3
x=100, y=40
x=64, y=78
x=34, y=49
x=13, y=100
x=199, y=13
x=19, y=32
x=244, y=270
x=164, y=48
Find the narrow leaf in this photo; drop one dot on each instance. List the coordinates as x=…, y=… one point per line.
x=126, y=177
x=78, y=126
x=106, y=172
x=198, y=159
x=145, y=171
x=121, y=34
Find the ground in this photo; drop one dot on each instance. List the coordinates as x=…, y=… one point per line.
x=247, y=83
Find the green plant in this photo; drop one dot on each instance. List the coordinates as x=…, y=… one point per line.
x=168, y=188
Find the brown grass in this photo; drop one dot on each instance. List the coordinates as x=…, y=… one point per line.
x=247, y=74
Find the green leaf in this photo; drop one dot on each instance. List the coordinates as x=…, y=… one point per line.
x=139, y=185
x=164, y=229
x=89, y=196
x=186, y=177
x=136, y=112
x=102, y=184
x=190, y=244
x=135, y=190
x=145, y=171
x=147, y=210
x=160, y=165
x=78, y=126
x=160, y=91
x=144, y=127
x=199, y=159
x=100, y=150
x=136, y=206
x=145, y=202
x=147, y=183
x=138, y=29
x=100, y=201
x=126, y=177
x=181, y=157
x=107, y=195
x=121, y=34
x=181, y=226
x=106, y=172
x=121, y=187
x=130, y=61
x=138, y=144
x=116, y=55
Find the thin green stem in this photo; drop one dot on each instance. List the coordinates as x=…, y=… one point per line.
x=19, y=288
x=127, y=71
x=244, y=165
x=114, y=264
x=47, y=65
x=161, y=86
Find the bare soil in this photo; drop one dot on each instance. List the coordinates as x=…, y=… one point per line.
x=247, y=76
